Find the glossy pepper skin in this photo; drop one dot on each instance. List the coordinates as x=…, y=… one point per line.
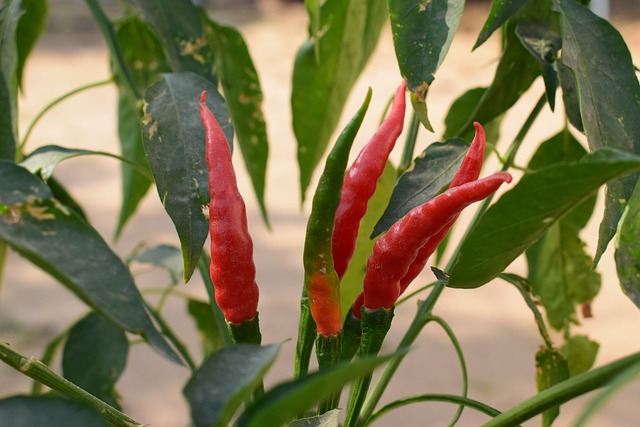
x=394, y=252
x=361, y=180
x=232, y=269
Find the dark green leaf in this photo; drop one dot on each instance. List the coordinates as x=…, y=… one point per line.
x=30, y=28
x=627, y=254
x=243, y=96
x=210, y=338
x=551, y=369
x=422, y=35
x=179, y=27
x=225, y=379
x=543, y=43
x=27, y=411
x=9, y=17
x=609, y=96
x=580, y=353
x=57, y=240
x=285, y=401
x=523, y=214
x=166, y=257
x=431, y=172
x=174, y=142
x=351, y=283
x=95, y=356
x=320, y=89
x=328, y=419
x=570, y=95
x=501, y=11
x=62, y=195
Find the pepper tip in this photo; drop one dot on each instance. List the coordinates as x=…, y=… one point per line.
x=203, y=97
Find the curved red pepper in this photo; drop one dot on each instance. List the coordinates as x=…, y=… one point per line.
x=232, y=269
x=361, y=180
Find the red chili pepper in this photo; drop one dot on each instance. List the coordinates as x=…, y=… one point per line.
x=232, y=269
x=394, y=252
x=361, y=180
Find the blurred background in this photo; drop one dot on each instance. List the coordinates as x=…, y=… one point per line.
x=494, y=327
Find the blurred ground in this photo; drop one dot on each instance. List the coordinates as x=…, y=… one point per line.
x=492, y=323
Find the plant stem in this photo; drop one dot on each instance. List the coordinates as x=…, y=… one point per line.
x=37, y=370
x=409, y=145
x=53, y=104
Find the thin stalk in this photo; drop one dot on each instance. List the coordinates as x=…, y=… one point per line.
x=37, y=370
x=4, y=251
x=55, y=102
x=168, y=332
x=47, y=357
x=409, y=145
x=414, y=293
x=517, y=142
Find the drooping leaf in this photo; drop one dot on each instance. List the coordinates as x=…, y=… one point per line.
x=210, y=337
x=351, y=283
x=95, y=356
x=328, y=419
x=500, y=12
x=580, y=353
x=224, y=380
x=57, y=240
x=167, y=257
x=551, y=369
x=543, y=43
x=285, y=401
x=320, y=89
x=524, y=213
x=243, y=96
x=570, y=95
x=627, y=254
x=50, y=411
x=175, y=147
x=9, y=17
x=432, y=170
x=422, y=35
x=609, y=96
x=30, y=28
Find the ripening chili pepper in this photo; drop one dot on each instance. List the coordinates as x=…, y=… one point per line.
x=232, y=269
x=361, y=180
x=394, y=252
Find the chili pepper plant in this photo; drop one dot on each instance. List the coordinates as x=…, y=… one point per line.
x=190, y=98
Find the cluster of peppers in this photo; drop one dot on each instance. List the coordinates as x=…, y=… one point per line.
x=338, y=207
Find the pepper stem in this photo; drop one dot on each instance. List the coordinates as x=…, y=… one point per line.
x=306, y=335
x=328, y=352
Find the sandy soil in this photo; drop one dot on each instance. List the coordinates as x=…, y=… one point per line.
x=492, y=323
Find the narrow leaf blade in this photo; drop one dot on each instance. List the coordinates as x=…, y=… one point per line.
x=9, y=17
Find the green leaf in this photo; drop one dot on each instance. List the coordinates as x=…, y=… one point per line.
x=500, y=12
x=609, y=96
x=9, y=17
x=62, y=195
x=328, y=419
x=95, y=356
x=167, y=257
x=570, y=95
x=225, y=379
x=243, y=96
x=627, y=254
x=351, y=283
x=524, y=213
x=422, y=35
x=432, y=170
x=543, y=43
x=30, y=28
x=285, y=401
x=174, y=142
x=580, y=353
x=28, y=411
x=57, y=240
x=179, y=28
x=210, y=337
x=551, y=369
x=320, y=89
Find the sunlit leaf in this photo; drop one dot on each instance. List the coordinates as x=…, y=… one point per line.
x=580, y=353
x=551, y=369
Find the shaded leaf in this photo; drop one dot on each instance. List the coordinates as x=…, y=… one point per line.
x=320, y=89
x=62, y=195
x=609, y=96
x=175, y=146
x=95, y=356
x=570, y=95
x=328, y=419
x=30, y=28
x=627, y=254
x=225, y=379
x=551, y=369
x=432, y=170
x=167, y=257
x=9, y=16
x=524, y=213
x=580, y=353
x=57, y=240
x=459, y=112
x=422, y=35
x=210, y=337
x=243, y=96
x=500, y=12
x=29, y=411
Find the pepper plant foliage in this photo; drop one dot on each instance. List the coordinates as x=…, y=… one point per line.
x=164, y=54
